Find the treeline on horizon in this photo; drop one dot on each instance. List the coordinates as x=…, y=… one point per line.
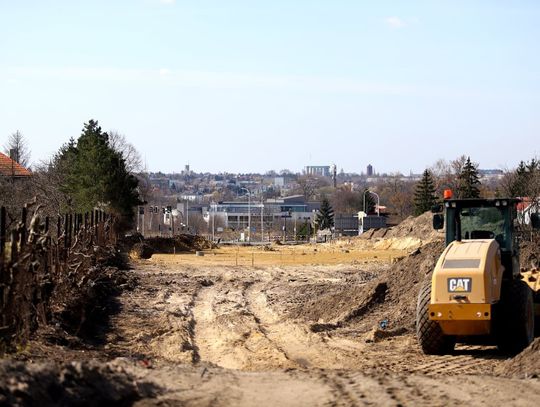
x=103, y=170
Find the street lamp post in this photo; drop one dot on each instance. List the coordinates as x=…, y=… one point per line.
x=213, y=222
x=249, y=213
x=187, y=213
x=262, y=221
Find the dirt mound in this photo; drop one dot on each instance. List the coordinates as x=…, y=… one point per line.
x=74, y=384
x=526, y=364
x=413, y=232
x=404, y=281
x=141, y=251
x=127, y=241
x=529, y=253
x=390, y=297
x=420, y=227
x=180, y=243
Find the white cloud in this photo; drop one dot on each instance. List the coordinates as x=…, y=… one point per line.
x=395, y=22
x=164, y=71
x=167, y=1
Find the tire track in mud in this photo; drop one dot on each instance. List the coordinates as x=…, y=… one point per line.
x=220, y=340
x=227, y=319
x=157, y=321
x=305, y=348
x=476, y=362
x=227, y=334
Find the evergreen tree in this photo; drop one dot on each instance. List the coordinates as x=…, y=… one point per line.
x=520, y=179
x=533, y=165
x=95, y=175
x=325, y=217
x=424, y=194
x=468, y=181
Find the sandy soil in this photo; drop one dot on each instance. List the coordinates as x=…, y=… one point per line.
x=202, y=331
x=222, y=335
x=353, y=252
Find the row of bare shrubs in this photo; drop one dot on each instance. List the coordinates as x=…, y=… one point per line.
x=57, y=283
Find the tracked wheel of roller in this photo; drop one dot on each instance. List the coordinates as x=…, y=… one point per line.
x=430, y=336
x=513, y=317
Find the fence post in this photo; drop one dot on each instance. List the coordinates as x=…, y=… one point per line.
x=96, y=223
x=14, y=251
x=66, y=228
x=2, y=236
x=23, y=221
x=70, y=228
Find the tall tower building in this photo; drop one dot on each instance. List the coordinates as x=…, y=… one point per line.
x=333, y=172
x=369, y=170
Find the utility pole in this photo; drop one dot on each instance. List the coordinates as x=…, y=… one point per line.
x=249, y=213
x=143, y=221
x=262, y=220
x=295, y=228
x=213, y=222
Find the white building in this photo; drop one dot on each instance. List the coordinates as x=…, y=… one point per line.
x=235, y=215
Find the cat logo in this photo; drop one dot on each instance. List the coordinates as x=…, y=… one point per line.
x=459, y=285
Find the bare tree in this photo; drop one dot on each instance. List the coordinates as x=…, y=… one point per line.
x=18, y=142
x=398, y=196
x=445, y=173
x=345, y=200
x=197, y=224
x=309, y=184
x=459, y=163
x=286, y=172
x=132, y=157
x=145, y=187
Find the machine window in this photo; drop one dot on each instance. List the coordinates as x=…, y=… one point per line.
x=483, y=223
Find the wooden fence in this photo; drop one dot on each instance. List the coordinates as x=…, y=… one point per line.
x=42, y=260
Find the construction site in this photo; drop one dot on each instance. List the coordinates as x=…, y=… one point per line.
x=332, y=324
x=275, y=203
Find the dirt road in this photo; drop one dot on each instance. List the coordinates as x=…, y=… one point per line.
x=245, y=336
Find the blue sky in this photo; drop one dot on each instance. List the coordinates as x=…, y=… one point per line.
x=241, y=86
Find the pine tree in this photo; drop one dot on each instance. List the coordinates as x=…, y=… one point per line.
x=520, y=181
x=533, y=165
x=469, y=181
x=94, y=174
x=424, y=194
x=325, y=217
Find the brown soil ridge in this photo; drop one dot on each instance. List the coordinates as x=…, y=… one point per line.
x=72, y=384
x=391, y=296
x=526, y=364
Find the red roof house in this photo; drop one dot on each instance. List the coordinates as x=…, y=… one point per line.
x=11, y=168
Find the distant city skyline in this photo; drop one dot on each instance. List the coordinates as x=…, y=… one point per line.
x=250, y=86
